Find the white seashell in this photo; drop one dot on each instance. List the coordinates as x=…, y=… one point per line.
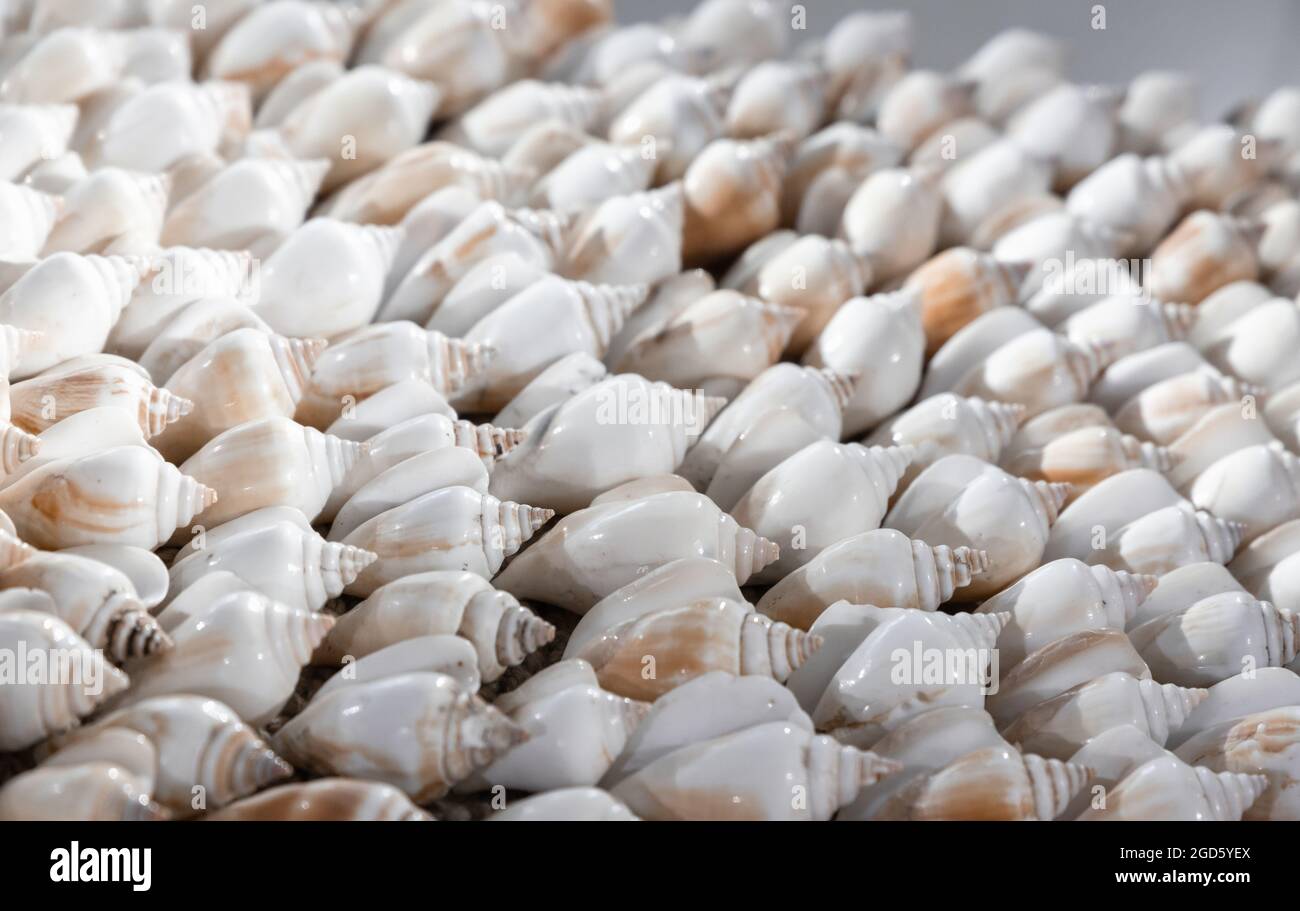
x=592, y=174
x=66, y=65
x=972, y=344
x=577, y=316
x=865, y=53
x=1039, y=369
x=421, y=732
x=1074, y=126
x=1262, y=743
x=130, y=751
x=616, y=49
x=920, y=104
x=195, y=327
x=730, y=32
x=628, y=239
x=381, y=111
x=124, y=495
x=339, y=267
x=684, y=581
x=962, y=501
x=95, y=287
x=1010, y=53
x=439, y=604
x=542, y=147
x=272, y=462
x=573, y=737
x=1063, y=597
x=880, y=339
x=947, y=424
x=450, y=655
x=1183, y=587
x=790, y=502
x=272, y=39
x=1223, y=430
x=162, y=124
x=722, y=336
x=1165, y=410
x=814, y=275
x=42, y=401
x=670, y=297
x=1112, y=755
x=243, y=649
x=632, y=538
x=882, y=568
x=1256, y=486
x=1167, y=788
x=433, y=470
x=295, y=566
x=338, y=799
x=1077, y=451
x=34, y=134
x=451, y=528
x=621, y=429
x=1132, y=374
x=243, y=376
x=969, y=134
x=1254, y=347
x=93, y=791
x=297, y=86
x=1215, y=637
x=1230, y=700
x=777, y=95
x=1202, y=254
x=536, y=236
x=1163, y=540
x=959, y=285
x=675, y=118
x=711, y=705
x=96, y=600
x=1063, y=284
x=484, y=289
x=158, y=55
x=1159, y=107
x=566, y=805
x=872, y=216
x=147, y=573
x=989, y=190
x=493, y=125
x=1139, y=198
x=426, y=223
x=82, y=434
x=1218, y=166
x=994, y=783
x=732, y=192
x=200, y=744
x=43, y=707
x=253, y=204
x=1062, y=725
x=1100, y=512
x=837, y=158
x=387, y=195
x=557, y=383
x=26, y=219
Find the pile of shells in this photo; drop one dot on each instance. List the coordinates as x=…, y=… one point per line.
x=436, y=408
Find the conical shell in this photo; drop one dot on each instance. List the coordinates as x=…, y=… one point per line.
x=43, y=707
x=990, y=192
x=26, y=218
x=920, y=103
x=1040, y=370
x=1205, y=252
x=1261, y=743
x=557, y=383
x=332, y=799
x=1168, y=789
x=194, y=327
x=440, y=603
x=1258, y=486
x=34, y=133
x=244, y=650
x=450, y=655
x=1074, y=126
x=777, y=95
x=1164, y=410
x=815, y=275
x=419, y=732
x=40, y=402
x=1139, y=198
x=16, y=447
x=1220, y=166
x=66, y=65
x=635, y=238
x=675, y=118
x=1168, y=538
x=162, y=124
x=842, y=152
x=947, y=424
x=492, y=126
x=732, y=193
x=93, y=791
x=1084, y=456
x=592, y=174
x=887, y=200
x=566, y=805
x=270, y=40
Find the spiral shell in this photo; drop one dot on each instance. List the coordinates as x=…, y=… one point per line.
x=93, y=791
x=1205, y=252
x=333, y=799
x=1167, y=788
x=1261, y=743
x=34, y=133
x=40, y=402
x=271, y=40
x=634, y=238
x=733, y=195
x=26, y=218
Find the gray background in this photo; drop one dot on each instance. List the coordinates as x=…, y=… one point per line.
x=1236, y=48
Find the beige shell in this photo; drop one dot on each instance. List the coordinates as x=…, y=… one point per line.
x=325, y=799
x=93, y=791
x=920, y=104
x=493, y=125
x=43, y=708
x=1168, y=789
x=194, y=327
x=1082, y=456
x=243, y=649
x=733, y=195
x=123, y=495
x=1039, y=369
x=996, y=783
x=882, y=567
x=451, y=528
x=959, y=285
x=96, y=600
x=635, y=238
x=1222, y=165
x=271, y=40
x=1165, y=539
x=814, y=275
x=243, y=376
x=634, y=536
x=440, y=603
x=420, y=732
x=1164, y=410
x=777, y=95
x=1260, y=743
x=40, y=402
x=676, y=117
x=201, y=743
x=1258, y=486
x=773, y=771
x=452, y=466
x=840, y=156
x=1205, y=252
x=714, y=634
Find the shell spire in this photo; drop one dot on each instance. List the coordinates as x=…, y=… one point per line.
x=296, y=358
x=1167, y=706
x=1123, y=592
x=1222, y=536
x=752, y=553
x=1087, y=358
x=941, y=570
x=507, y=525
x=608, y=306
x=998, y=420
x=770, y=648
x=340, y=564
x=163, y=408
x=519, y=634
x=190, y=499
x=1054, y=784
x=781, y=323
x=1283, y=630
x=16, y=447
x=340, y=454
x=551, y=228
x=257, y=766
x=844, y=771
x=1230, y=794
x=1051, y=494
x=840, y=383
x=1145, y=454
x=981, y=630
x=454, y=362
x=888, y=463
x=489, y=441
x=14, y=551
x=483, y=734
x=1178, y=320
x=120, y=275
x=135, y=633
x=385, y=239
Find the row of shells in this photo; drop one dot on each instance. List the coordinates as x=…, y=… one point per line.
x=426, y=407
